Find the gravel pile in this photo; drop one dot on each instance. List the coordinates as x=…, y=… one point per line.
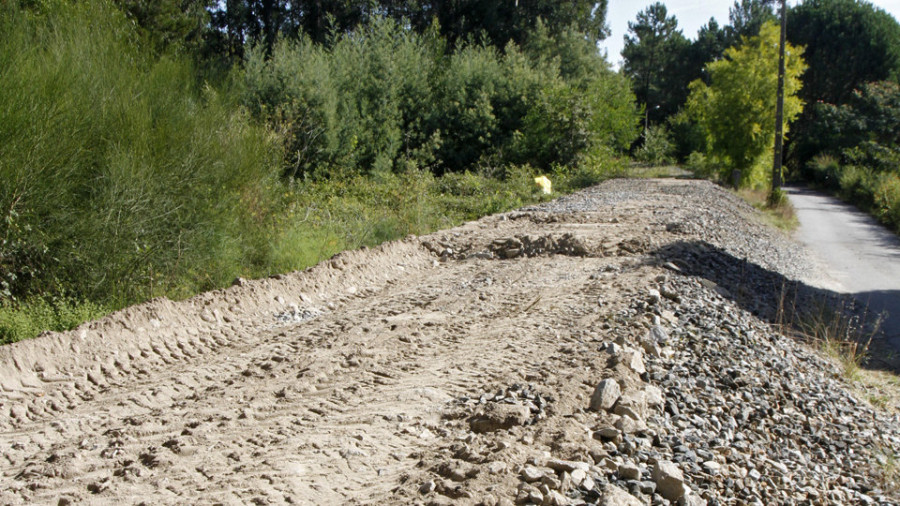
x=703, y=401
x=714, y=410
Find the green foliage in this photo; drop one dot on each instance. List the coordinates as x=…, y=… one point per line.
x=500, y=22
x=243, y=23
x=737, y=110
x=170, y=25
x=384, y=97
x=826, y=171
x=653, y=50
x=864, y=131
x=877, y=192
x=657, y=147
x=28, y=318
x=746, y=19
x=848, y=43
x=123, y=179
x=120, y=179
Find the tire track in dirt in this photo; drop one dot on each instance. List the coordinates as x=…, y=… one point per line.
x=311, y=391
x=336, y=384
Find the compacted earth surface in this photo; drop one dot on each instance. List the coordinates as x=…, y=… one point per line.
x=624, y=345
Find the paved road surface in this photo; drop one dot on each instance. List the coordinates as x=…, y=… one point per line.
x=860, y=255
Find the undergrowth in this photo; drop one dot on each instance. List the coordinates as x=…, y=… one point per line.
x=321, y=218
x=837, y=328
x=777, y=211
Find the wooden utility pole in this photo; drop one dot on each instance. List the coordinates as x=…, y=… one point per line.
x=779, y=108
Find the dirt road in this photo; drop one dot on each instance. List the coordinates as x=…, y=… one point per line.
x=857, y=251
x=461, y=367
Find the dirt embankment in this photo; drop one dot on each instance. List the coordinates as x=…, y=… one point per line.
x=611, y=347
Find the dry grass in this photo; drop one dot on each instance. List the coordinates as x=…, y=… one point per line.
x=779, y=214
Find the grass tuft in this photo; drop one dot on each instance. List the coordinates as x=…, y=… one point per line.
x=776, y=209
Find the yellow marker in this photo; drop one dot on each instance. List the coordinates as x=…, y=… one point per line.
x=544, y=183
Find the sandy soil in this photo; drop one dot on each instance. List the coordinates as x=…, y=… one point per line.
x=347, y=382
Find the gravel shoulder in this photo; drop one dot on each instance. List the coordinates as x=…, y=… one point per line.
x=614, y=346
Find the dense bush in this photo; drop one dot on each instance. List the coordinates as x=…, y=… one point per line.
x=877, y=192
x=657, y=146
x=382, y=98
x=737, y=109
x=120, y=179
x=123, y=178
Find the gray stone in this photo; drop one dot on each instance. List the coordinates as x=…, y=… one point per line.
x=651, y=348
x=577, y=476
x=532, y=474
x=608, y=433
x=554, y=498
x=615, y=496
x=712, y=467
x=659, y=335
x=647, y=487
x=629, y=425
x=633, y=360
x=567, y=466
x=605, y=395
x=669, y=480
x=629, y=471
x=496, y=467
x=427, y=487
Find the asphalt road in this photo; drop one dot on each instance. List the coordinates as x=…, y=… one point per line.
x=860, y=255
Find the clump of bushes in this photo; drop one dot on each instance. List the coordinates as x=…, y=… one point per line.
x=876, y=192
x=126, y=177
x=657, y=147
x=383, y=97
x=122, y=178
x=859, y=150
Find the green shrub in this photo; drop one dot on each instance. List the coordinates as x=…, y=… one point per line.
x=26, y=319
x=701, y=165
x=826, y=171
x=121, y=179
x=657, y=148
x=597, y=167
x=886, y=199
x=383, y=97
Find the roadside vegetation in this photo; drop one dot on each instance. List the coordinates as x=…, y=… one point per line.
x=165, y=148
x=142, y=158
x=712, y=97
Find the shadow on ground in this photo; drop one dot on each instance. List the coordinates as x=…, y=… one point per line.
x=799, y=307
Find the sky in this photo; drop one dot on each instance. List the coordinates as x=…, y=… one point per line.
x=691, y=15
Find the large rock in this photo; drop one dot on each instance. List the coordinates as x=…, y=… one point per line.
x=634, y=404
x=633, y=360
x=615, y=496
x=658, y=335
x=496, y=417
x=669, y=480
x=605, y=395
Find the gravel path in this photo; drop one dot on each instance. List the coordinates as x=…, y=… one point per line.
x=611, y=347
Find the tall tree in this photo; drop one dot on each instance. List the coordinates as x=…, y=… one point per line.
x=242, y=22
x=502, y=21
x=710, y=45
x=848, y=43
x=497, y=22
x=747, y=17
x=170, y=25
x=737, y=110
x=651, y=47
